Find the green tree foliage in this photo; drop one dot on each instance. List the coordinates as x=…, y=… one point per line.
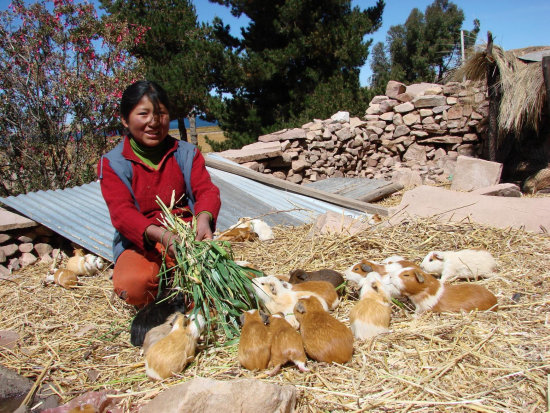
x=63, y=72
x=297, y=60
x=176, y=51
x=381, y=68
x=425, y=47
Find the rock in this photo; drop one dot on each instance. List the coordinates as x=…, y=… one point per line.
x=447, y=139
x=26, y=247
x=279, y=175
x=27, y=259
x=506, y=189
x=406, y=177
x=415, y=153
x=472, y=173
x=254, y=151
x=393, y=89
x=202, y=395
x=2, y=257
x=411, y=118
x=296, y=133
x=404, y=107
x=342, y=117
x=4, y=272
x=429, y=101
x=400, y=131
x=5, y=238
x=9, y=249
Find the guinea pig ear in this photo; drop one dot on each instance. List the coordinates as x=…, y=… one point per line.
x=419, y=276
x=437, y=256
x=366, y=268
x=241, y=319
x=300, y=308
x=374, y=287
x=273, y=289
x=265, y=317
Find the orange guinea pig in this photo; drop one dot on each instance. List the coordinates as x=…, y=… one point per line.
x=286, y=345
x=63, y=277
x=371, y=315
x=428, y=293
x=323, y=289
x=255, y=343
x=298, y=276
x=172, y=353
x=325, y=338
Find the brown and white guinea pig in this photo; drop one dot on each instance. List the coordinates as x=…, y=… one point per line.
x=63, y=277
x=255, y=342
x=237, y=235
x=298, y=276
x=286, y=345
x=88, y=264
x=371, y=315
x=159, y=332
x=357, y=272
x=323, y=289
x=428, y=293
x=325, y=338
x=463, y=264
x=279, y=299
x=172, y=353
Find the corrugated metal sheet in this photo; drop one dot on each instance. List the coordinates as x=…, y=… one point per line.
x=81, y=215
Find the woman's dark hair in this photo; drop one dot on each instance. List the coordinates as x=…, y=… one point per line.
x=133, y=94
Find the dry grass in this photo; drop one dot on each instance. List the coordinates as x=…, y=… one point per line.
x=213, y=133
x=484, y=362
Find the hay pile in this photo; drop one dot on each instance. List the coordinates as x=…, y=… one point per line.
x=482, y=362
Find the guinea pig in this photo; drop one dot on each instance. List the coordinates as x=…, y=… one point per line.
x=261, y=228
x=286, y=345
x=158, y=332
x=278, y=299
x=428, y=293
x=154, y=314
x=88, y=264
x=463, y=264
x=172, y=353
x=63, y=277
x=357, y=272
x=237, y=235
x=321, y=288
x=298, y=276
x=255, y=342
x=371, y=315
x=325, y=338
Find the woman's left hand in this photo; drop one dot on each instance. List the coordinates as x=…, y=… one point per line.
x=203, y=227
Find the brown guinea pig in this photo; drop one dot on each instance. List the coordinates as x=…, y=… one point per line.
x=298, y=276
x=158, y=332
x=428, y=293
x=371, y=315
x=323, y=289
x=63, y=277
x=286, y=345
x=255, y=343
x=325, y=338
x=171, y=354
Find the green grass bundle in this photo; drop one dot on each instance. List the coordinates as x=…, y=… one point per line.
x=206, y=272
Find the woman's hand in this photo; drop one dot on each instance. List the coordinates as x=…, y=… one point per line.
x=203, y=227
x=154, y=234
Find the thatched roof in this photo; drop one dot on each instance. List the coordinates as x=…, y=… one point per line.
x=521, y=85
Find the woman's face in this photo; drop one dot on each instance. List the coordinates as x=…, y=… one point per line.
x=148, y=128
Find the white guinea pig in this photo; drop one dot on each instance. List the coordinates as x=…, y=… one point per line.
x=88, y=264
x=463, y=264
x=371, y=315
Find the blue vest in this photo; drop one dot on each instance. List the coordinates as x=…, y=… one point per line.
x=123, y=168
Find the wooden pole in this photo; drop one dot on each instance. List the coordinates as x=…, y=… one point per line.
x=546, y=74
x=490, y=146
x=299, y=189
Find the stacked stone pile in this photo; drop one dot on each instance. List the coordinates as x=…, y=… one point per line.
x=412, y=135
x=25, y=246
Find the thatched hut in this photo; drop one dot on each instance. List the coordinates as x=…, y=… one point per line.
x=518, y=133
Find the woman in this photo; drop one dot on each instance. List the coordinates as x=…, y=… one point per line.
x=146, y=164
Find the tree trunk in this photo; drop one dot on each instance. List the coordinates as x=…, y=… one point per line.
x=181, y=128
x=490, y=145
x=193, y=129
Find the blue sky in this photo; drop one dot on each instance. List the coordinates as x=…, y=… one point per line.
x=514, y=24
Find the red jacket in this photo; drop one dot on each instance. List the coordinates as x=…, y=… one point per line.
x=147, y=183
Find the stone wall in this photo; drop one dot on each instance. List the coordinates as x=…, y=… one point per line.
x=411, y=135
